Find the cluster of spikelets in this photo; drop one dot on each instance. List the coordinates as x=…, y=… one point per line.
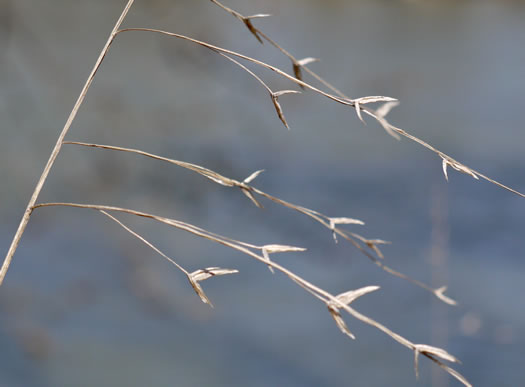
x=369, y=247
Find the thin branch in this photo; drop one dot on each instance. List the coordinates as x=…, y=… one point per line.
x=250, y=59
x=329, y=299
x=248, y=71
x=227, y=9
x=58, y=145
x=145, y=241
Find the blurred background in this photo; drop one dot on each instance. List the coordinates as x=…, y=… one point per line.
x=87, y=304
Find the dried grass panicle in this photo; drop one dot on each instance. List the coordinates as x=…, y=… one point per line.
x=378, y=114
x=335, y=304
x=368, y=246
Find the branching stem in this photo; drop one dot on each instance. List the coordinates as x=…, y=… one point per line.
x=321, y=294
x=351, y=237
x=340, y=97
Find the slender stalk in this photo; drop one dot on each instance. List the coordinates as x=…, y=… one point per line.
x=249, y=59
x=144, y=240
x=58, y=145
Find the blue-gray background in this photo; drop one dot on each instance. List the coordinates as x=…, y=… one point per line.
x=86, y=304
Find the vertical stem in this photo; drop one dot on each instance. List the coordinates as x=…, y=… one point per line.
x=58, y=146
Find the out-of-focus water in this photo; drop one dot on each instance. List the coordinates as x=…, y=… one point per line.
x=86, y=304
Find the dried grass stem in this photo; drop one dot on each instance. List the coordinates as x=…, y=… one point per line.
x=58, y=145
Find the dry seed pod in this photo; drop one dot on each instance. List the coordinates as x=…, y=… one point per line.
x=384, y=109
x=270, y=249
x=250, y=196
x=204, y=274
x=458, y=167
x=433, y=351
x=388, y=128
x=248, y=23
x=250, y=178
x=278, y=108
x=335, y=221
x=347, y=298
x=297, y=67
x=371, y=99
x=439, y=293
